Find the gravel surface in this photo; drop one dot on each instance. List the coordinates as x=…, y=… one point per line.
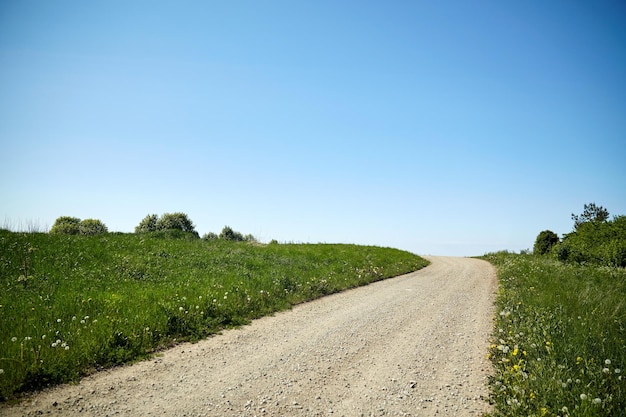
x=414, y=345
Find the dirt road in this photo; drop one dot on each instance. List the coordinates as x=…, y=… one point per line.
x=409, y=346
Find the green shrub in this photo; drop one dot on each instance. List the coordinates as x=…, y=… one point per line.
x=545, y=241
x=90, y=227
x=175, y=221
x=66, y=225
x=228, y=233
x=210, y=236
x=168, y=221
x=148, y=224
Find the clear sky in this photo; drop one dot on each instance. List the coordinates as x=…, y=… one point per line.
x=439, y=127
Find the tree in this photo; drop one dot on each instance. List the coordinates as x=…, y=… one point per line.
x=66, y=225
x=90, y=227
x=545, y=241
x=592, y=214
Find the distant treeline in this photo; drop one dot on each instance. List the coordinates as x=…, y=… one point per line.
x=596, y=239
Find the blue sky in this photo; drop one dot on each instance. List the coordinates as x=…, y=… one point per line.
x=447, y=127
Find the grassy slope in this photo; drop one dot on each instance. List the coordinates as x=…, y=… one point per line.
x=559, y=348
x=71, y=303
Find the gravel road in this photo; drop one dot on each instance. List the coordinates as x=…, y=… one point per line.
x=414, y=345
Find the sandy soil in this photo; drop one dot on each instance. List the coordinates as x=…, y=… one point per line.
x=409, y=346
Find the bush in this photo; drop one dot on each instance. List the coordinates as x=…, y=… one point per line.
x=168, y=221
x=148, y=224
x=210, y=236
x=228, y=233
x=66, y=225
x=545, y=241
x=90, y=227
x=175, y=221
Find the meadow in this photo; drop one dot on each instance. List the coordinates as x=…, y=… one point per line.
x=72, y=304
x=559, y=344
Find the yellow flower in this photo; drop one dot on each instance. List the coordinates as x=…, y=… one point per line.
x=515, y=351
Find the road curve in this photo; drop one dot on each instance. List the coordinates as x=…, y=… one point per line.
x=414, y=345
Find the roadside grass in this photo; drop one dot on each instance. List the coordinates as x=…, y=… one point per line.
x=72, y=304
x=559, y=345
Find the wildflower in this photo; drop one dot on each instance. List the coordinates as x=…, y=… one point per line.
x=579, y=360
x=180, y=309
x=607, y=362
x=14, y=339
x=617, y=370
x=67, y=347
x=43, y=336
x=583, y=397
x=1, y=371
x=565, y=410
x=73, y=318
x=597, y=401
x=28, y=338
x=606, y=370
x=515, y=351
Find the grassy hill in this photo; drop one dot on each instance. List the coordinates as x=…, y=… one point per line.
x=69, y=304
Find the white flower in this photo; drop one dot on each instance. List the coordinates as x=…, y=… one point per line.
x=607, y=362
x=58, y=320
x=1, y=371
x=14, y=339
x=583, y=397
x=617, y=370
x=606, y=370
x=67, y=348
x=597, y=401
x=180, y=309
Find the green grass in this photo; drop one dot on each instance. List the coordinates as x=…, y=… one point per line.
x=559, y=346
x=71, y=304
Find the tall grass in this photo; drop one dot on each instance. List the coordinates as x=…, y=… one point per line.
x=70, y=304
x=559, y=348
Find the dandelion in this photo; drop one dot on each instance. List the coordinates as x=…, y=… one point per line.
x=606, y=370
x=59, y=320
x=43, y=336
x=1, y=371
x=607, y=362
x=565, y=410
x=583, y=397
x=67, y=347
x=617, y=370
x=597, y=401
x=28, y=338
x=180, y=309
